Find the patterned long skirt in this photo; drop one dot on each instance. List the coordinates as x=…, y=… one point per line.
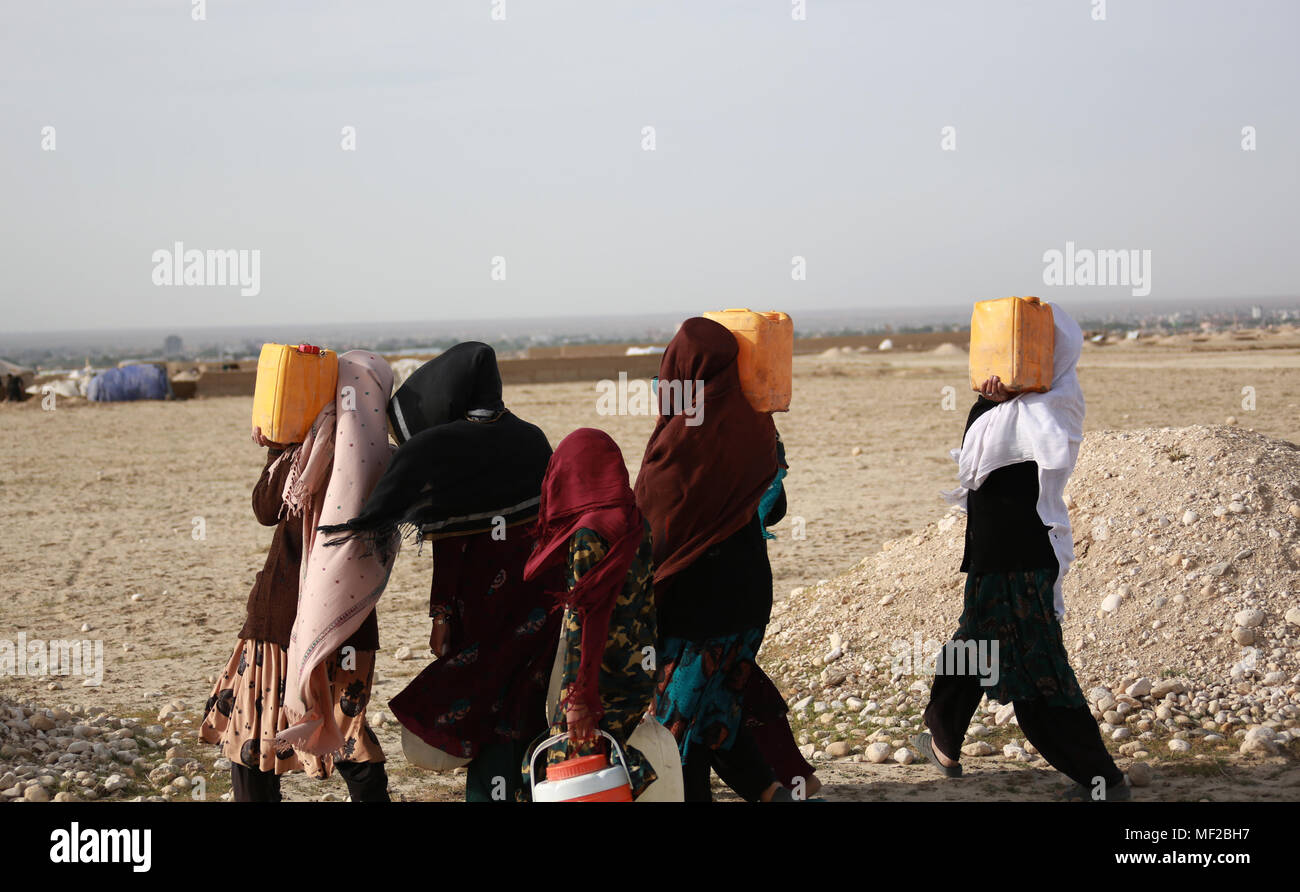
x=700, y=687
x=244, y=713
x=1015, y=611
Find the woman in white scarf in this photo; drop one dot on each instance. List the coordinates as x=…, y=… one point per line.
x=1013, y=466
x=1045, y=428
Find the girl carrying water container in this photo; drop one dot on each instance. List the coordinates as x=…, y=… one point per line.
x=700, y=486
x=589, y=525
x=468, y=477
x=1016, y=457
x=290, y=698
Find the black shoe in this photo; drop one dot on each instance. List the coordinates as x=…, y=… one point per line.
x=925, y=743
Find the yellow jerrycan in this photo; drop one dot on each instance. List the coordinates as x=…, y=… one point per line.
x=294, y=382
x=766, y=355
x=1012, y=337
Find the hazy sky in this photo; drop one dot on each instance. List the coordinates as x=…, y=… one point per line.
x=523, y=139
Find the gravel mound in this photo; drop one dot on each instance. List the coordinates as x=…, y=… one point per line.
x=76, y=754
x=1183, y=606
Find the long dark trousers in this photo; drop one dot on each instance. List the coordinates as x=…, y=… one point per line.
x=494, y=775
x=252, y=785
x=1067, y=738
x=742, y=767
x=367, y=782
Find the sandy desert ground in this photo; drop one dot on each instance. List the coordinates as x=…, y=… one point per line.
x=101, y=503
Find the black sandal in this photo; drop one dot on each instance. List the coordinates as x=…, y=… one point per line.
x=925, y=743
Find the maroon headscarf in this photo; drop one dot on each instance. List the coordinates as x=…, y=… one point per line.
x=586, y=485
x=700, y=484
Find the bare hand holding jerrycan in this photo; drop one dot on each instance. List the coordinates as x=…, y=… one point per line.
x=1011, y=344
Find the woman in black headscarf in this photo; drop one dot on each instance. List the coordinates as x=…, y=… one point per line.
x=468, y=474
x=463, y=458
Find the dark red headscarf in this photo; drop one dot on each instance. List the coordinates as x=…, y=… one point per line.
x=586, y=485
x=700, y=484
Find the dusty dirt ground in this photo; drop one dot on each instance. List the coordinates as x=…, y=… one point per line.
x=103, y=502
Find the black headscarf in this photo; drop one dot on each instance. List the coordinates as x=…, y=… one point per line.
x=464, y=459
x=464, y=379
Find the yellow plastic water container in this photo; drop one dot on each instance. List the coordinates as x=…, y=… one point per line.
x=294, y=382
x=766, y=355
x=1012, y=337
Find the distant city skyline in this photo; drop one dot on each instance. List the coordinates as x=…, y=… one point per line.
x=390, y=162
x=418, y=336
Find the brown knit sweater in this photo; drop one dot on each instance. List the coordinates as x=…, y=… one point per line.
x=273, y=602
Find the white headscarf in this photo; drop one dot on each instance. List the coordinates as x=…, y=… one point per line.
x=1040, y=427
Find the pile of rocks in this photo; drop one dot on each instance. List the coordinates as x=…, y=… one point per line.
x=79, y=753
x=1183, y=608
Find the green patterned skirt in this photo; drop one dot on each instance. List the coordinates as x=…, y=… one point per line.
x=1014, y=611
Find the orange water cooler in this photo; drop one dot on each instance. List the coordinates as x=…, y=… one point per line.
x=582, y=778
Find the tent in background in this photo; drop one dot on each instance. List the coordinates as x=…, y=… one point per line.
x=133, y=382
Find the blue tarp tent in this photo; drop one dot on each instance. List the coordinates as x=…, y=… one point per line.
x=132, y=382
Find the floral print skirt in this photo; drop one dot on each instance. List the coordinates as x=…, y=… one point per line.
x=244, y=714
x=1015, y=610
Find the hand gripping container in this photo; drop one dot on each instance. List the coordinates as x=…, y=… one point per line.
x=655, y=742
x=1012, y=337
x=581, y=778
x=766, y=355
x=293, y=384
